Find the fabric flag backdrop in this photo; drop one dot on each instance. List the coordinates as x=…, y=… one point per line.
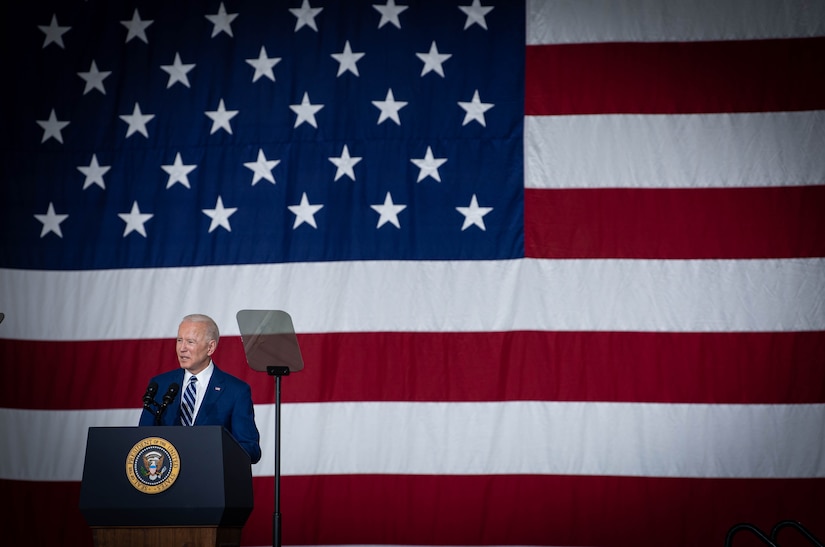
x=571, y=293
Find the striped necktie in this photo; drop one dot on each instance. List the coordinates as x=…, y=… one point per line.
x=188, y=405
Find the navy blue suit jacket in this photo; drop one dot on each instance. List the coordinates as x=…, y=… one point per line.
x=227, y=402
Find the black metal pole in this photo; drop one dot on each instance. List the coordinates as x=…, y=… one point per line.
x=276, y=516
x=277, y=372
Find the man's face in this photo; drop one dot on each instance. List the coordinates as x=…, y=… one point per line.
x=193, y=349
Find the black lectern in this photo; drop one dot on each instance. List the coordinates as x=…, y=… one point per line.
x=165, y=486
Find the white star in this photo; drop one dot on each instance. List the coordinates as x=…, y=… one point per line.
x=475, y=110
x=94, y=78
x=222, y=22
x=178, y=172
x=220, y=215
x=347, y=59
x=137, y=27
x=344, y=163
x=389, y=108
x=475, y=14
x=428, y=166
x=137, y=121
x=262, y=168
x=135, y=220
x=178, y=72
x=54, y=32
x=433, y=60
x=305, y=111
x=388, y=212
x=263, y=65
x=306, y=15
x=473, y=214
x=51, y=221
x=220, y=118
x=94, y=173
x=304, y=212
x=52, y=128
x=389, y=13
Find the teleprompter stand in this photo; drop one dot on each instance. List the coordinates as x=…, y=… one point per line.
x=271, y=346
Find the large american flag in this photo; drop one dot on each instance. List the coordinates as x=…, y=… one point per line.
x=557, y=268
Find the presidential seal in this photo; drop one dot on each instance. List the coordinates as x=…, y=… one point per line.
x=152, y=465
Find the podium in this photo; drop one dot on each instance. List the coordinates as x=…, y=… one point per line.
x=165, y=486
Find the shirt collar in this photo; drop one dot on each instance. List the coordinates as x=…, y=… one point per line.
x=203, y=376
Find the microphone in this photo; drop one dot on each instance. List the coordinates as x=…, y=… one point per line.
x=169, y=396
x=149, y=396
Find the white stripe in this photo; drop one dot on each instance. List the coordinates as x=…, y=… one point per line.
x=621, y=439
x=461, y=296
x=674, y=151
x=43, y=445
x=577, y=21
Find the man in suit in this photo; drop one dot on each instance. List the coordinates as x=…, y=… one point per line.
x=218, y=399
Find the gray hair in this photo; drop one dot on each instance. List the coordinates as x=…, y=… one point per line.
x=212, y=332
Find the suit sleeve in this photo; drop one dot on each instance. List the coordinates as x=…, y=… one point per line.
x=243, y=426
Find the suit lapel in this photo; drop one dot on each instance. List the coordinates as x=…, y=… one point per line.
x=214, y=390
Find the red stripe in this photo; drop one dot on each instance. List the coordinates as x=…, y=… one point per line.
x=675, y=77
x=782, y=222
x=470, y=510
x=537, y=510
x=773, y=367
